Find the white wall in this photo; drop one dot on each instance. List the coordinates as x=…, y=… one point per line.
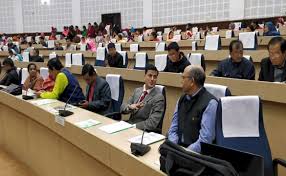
x=7, y=17
x=33, y=16
x=38, y=17
x=189, y=11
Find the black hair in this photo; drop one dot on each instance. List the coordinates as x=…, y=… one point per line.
x=31, y=64
x=8, y=61
x=235, y=43
x=154, y=34
x=88, y=69
x=251, y=27
x=10, y=51
x=278, y=40
x=37, y=51
x=111, y=45
x=174, y=46
x=55, y=64
x=151, y=67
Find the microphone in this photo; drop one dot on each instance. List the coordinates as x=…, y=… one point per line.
x=140, y=149
x=64, y=112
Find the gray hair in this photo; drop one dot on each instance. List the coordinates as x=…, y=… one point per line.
x=197, y=73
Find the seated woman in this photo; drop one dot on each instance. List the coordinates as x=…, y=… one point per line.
x=270, y=30
x=170, y=36
x=189, y=33
x=11, y=76
x=66, y=85
x=34, y=80
x=14, y=55
x=153, y=37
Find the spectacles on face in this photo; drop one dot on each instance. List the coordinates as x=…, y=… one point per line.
x=184, y=77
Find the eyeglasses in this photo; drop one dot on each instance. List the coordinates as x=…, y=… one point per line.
x=183, y=77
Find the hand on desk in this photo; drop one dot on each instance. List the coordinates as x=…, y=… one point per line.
x=83, y=104
x=38, y=94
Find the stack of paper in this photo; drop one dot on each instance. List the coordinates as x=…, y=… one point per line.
x=115, y=127
x=87, y=123
x=149, y=138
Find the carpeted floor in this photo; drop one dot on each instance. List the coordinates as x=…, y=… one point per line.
x=9, y=166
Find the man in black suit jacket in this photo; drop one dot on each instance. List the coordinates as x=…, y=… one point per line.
x=98, y=94
x=273, y=68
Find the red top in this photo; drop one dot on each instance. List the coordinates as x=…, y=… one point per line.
x=91, y=92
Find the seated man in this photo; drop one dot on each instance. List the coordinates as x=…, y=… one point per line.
x=273, y=68
x=34, y=56
x=69, y=46
x=114, y=58
x=66, y=85
x=236, y=66
x=146, y=105
x=98, y=95
x=195, y=114
x=11, y=76
x=42, y=42
x=58, y=46
x=176, y=61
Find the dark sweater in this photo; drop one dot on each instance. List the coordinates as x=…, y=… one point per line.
x=116, y=61
x=177, y=67
x=241, y=70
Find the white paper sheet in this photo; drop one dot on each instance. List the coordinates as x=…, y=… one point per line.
x=116, y=127
x=40, y=102
x=87, y=123
x=149, y=138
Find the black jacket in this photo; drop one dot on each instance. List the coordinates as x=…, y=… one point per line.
x=101, y=101
x=116, y=61
x=11, y=77
x=242, y=70
x=177, y=67
x=267, y=71
x=36, y=59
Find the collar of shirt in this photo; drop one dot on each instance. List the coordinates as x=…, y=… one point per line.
x=149, y=90
x=190, y=96
x=235, y=63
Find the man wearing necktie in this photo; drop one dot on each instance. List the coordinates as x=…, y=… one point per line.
x=147, y=103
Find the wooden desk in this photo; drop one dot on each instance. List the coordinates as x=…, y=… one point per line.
x=272, y=94
x=30, y=134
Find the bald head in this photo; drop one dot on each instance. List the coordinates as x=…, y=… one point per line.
x=196, y=73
